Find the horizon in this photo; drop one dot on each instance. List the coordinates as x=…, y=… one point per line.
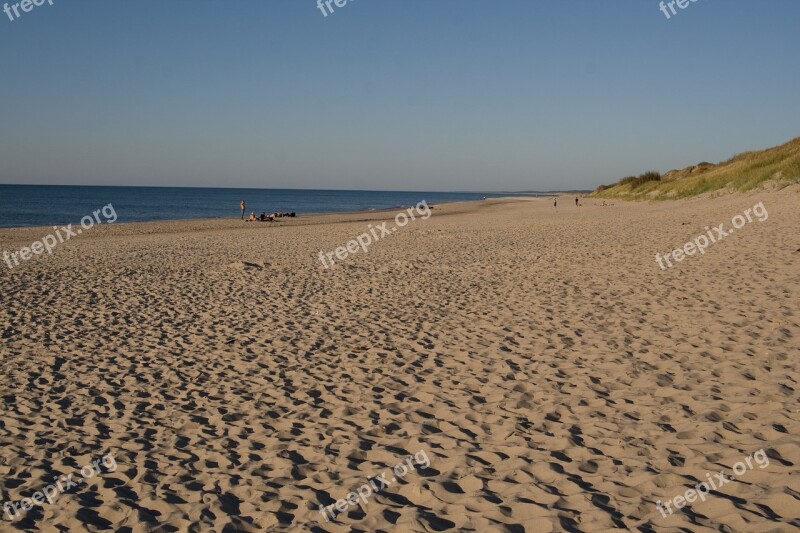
x=390, y=96
x=499, y=191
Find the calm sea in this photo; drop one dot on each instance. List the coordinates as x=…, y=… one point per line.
x=44, y=205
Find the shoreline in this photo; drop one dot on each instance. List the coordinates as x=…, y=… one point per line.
x=208, y=212
x=211, y=223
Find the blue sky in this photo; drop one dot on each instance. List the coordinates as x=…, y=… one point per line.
x=390, y=94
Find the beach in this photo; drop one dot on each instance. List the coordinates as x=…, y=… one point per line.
x=551, y=373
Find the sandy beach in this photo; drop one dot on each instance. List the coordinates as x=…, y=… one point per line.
x=550, y=373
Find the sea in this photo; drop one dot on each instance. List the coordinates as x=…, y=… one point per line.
x=44, y=205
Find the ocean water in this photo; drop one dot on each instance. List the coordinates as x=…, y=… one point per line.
x=44, y=205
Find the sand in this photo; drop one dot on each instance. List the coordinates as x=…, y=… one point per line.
x=554, y=375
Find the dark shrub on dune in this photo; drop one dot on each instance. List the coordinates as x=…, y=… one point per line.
x=644, y=178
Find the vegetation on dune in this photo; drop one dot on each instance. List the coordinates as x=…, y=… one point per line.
x=742, y=172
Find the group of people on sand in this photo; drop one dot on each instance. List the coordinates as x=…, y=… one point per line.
x=263, y=217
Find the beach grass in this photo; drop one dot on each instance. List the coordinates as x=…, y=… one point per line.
x=743, y=172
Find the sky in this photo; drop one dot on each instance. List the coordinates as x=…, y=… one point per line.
x=431, y=95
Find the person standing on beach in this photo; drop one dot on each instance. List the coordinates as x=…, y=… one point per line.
x=555, y=202
x=576, y=201
x=243, y=205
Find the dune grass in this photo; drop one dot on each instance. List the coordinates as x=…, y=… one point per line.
x=743, y=172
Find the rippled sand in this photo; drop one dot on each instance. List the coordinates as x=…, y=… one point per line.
x=557, y=379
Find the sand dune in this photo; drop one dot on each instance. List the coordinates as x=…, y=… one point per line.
x=556, y=377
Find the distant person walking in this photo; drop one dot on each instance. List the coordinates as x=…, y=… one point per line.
x=555, y=202
x=243, y=205
x=576, y=201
